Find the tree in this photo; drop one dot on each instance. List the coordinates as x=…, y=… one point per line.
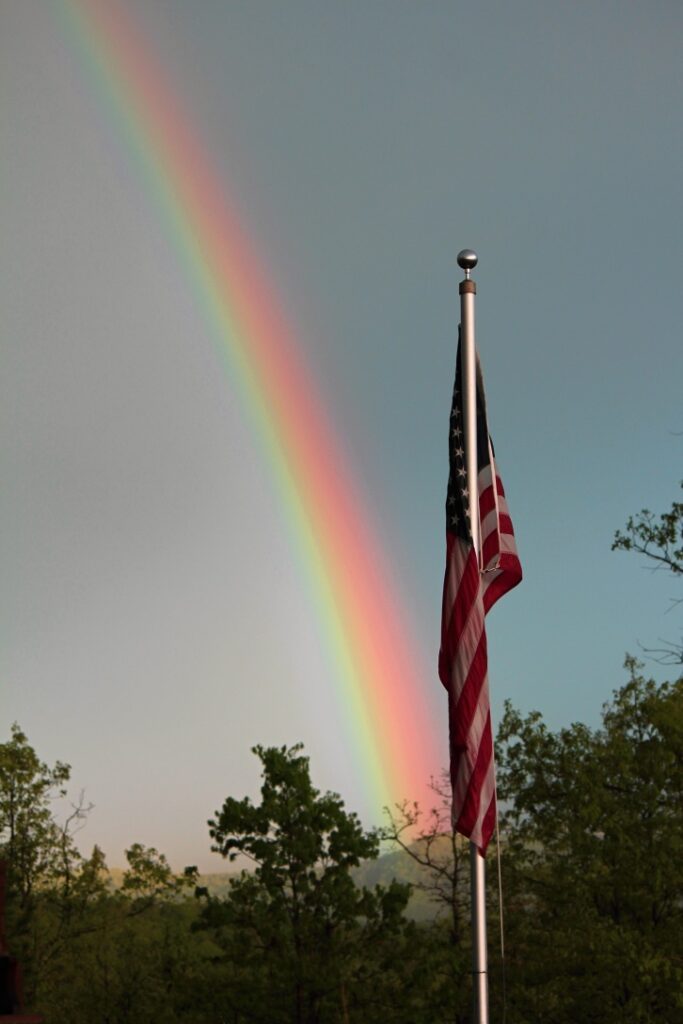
x=439, y=854
x=35, y=848
x=89, y=952
x=304, y=944
x=660, y=540
x=593, y=847
x=49, y=883
x=440, y=858
x=137, y=966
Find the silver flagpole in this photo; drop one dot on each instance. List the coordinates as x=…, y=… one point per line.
x=467, y=260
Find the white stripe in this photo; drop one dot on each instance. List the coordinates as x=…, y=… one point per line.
x=468, y=641
x=467, y=644
x=456, y=568
x=486, y=793
x=468, y=758
x=484, y=478
x=462, y=781
x=489, y=524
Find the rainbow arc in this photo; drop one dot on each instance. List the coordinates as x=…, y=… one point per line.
x=372, y=659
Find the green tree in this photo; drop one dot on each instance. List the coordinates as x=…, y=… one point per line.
x=50, y=885
x=129, y=953
x=660, y=540
x=593, y=847
x=137, y=967
x=36, y=850
x=303, y=943
x=89, y=952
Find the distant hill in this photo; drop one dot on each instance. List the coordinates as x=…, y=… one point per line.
x=394, y=865
x=218, y=883
x=399, y=866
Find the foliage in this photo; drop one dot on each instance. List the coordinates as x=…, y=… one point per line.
x=442, y=859
x=593, y=844
x=297, y=930
x=660, y=539
x=427, y=838
x=136, y=968
x=49, y=883
x=83, y=947
x=35, y=848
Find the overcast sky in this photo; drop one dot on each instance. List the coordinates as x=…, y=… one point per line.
x=155, y=621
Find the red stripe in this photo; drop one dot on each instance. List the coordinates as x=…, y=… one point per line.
x=469, y=813
x=505, y=524
x=485, y=487
x=465, y=704
x=508, y=576
x=489, y=822
x=490, y=548
x=487, y=502
x=466, y=596
x=455, y=612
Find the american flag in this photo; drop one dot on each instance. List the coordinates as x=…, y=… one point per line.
x=468, y=593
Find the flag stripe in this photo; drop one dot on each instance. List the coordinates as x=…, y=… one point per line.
x=470, y=811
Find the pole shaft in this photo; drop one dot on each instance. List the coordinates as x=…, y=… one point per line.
x=477, y=863
x=480, y=978
x=469, y=401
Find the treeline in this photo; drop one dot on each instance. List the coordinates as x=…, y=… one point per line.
x=592, y=866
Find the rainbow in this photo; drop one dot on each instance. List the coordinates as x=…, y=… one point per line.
x=394, y=744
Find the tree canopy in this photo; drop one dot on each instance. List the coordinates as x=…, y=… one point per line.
x=303, y=938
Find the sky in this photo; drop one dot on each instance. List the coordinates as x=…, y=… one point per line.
x=157, y=620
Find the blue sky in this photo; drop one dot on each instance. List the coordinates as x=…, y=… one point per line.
x=365, y=144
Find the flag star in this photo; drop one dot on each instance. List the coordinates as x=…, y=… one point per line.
x=456, y=432
x=454, y=520
x=451, y=500
x=462, y=471
x=465, y=493
x=459, y=453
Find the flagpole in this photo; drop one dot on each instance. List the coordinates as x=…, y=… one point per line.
x=467, y=261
